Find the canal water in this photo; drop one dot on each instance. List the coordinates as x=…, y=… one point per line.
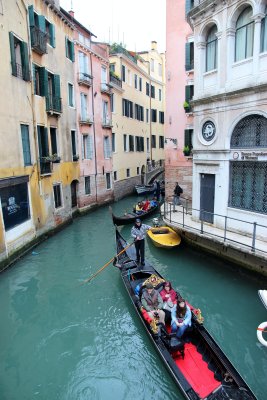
x=61, y=339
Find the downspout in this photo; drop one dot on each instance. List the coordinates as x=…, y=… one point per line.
x=93, y=110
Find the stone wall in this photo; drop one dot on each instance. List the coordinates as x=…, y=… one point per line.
x=180, y=174
x=126, y=187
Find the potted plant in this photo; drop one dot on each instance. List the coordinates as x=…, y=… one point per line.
x=55, y=158
x=186, y=106
x=186, y=150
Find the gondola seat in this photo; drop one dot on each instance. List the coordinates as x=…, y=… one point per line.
x=176, y=345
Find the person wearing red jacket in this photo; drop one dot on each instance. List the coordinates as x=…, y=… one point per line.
x=169, y=297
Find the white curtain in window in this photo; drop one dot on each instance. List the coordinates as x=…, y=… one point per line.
x=211, y=49
x=244, y=35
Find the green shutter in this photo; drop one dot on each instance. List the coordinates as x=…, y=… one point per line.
x=187, y=93
x=34, y=79
x=66, y=47
x=39, y=141
x=13, y=54
x=31, y=16
x=72, y=52
x=52, y=35
x=26, y=144
x=46, y=147
x=187, y=57
x=188, y=5
x=41, y=22
x=56, y=88
x=43, y=82
x=25, y=61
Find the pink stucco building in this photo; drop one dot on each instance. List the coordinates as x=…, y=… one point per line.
x=92, y=140
x=179, y=92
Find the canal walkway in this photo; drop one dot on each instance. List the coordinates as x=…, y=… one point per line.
x=249, y=250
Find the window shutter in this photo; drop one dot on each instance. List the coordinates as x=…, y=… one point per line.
x=66, y=47
x=46, y=147
x=39, y=141
x=52, y=35
x=72, y=56
x=188, y=138
x=41, y=21
x=34, y=78
x=43, y=82
x=25, y=61
x=25, y=144
x=82, y=148
x=187, y=57
x=31, y=16
x=13, y=54
x=57, y=92
x=187, y=94
x=188, y=6
x=90, y=147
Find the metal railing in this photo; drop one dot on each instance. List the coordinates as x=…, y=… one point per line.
x=38, y=40
x=84, y=78
x=115, y=80
x=53, y=104
x=251, y=235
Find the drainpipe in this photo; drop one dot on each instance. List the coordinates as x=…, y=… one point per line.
x=93, y=110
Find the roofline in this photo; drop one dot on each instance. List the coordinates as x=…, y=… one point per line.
x=76, y=22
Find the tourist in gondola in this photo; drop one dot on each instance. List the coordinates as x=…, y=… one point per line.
x=152, y=302
x=181, y=318
x=138, y=232
x=169, y=297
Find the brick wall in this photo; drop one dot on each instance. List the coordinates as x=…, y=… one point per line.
x=180, y=174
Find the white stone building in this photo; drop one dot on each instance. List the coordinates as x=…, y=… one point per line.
x=230, y=110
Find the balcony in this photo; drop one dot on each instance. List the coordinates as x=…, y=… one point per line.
x=84, y=79
x=86, y=120
x=53, y=104
x=115, y=81
x=38, y=40
x=105, y=88
x=107, y=122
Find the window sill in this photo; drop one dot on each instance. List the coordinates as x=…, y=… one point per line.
x=211, y=72
x=241, y=62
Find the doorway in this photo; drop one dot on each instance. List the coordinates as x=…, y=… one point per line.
x=207, y=190
x=73, y=187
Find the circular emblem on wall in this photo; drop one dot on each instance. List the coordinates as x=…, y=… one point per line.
x=208, y=131
x=235, y=155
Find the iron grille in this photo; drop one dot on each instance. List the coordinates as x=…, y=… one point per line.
x=248, y=186
x=250, y=132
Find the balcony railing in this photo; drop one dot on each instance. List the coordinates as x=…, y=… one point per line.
x=107, y=122
x=114, y=80
x=86, y=120
x=116, y=48
x=84, y=79
x=105, y=88
x=53, y=104
x=38, y=40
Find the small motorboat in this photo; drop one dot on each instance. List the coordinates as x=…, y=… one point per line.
x=197, y=364
x=262, y=328
x=164, y=236
x=144, y=189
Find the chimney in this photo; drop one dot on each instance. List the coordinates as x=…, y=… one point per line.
x=154, y=45
x=71, y=12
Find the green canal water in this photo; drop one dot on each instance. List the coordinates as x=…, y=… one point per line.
x=61, y=340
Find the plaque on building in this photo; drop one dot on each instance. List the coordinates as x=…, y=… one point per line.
x=208, y=131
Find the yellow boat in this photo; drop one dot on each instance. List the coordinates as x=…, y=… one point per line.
x=165, y=237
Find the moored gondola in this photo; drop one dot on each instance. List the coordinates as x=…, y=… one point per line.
x=197, y=363
x=129, y=218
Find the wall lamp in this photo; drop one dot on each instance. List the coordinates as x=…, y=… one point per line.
x=173, y=140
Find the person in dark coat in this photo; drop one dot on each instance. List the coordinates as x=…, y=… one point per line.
x=138, y=232
x=177, y=192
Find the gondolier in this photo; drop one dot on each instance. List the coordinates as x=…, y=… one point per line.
x=138, y=232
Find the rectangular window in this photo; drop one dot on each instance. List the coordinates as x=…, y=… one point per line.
x=152, y=65
x=36, y=79
x=147, y=115
x=112, y=67
x=125, y=143
x=112, y=104
x=160, y=69
x=140, y=84
x=113, y=143
x=87, y=147
x=138, y=170
x=26, y=144
x=160, y=95
x=127, y=108
x=73, y=144
x=153, y=115
x=161, y=117
x=264, y=34
x=87, y=185
x=50, y=88
x=19, y=58
x=50, y=33
x=161, y=142
x=69, y=49
x=57, y=195
x=153, y=141
x=189, y=56
x=147, y=145
x=152, y=91
x=129, y=78
x=107, y=148
x=188, y=135
x=71, y=95
x=108, y=180
x=115, y=175
x=123, y=75
x=45, y=164
x=131, y=143
x=147, y=89
x=128, y=172
x=189, y=93
x=135, y=81
x=84, y=110
x=15, y=203
x=53, y=140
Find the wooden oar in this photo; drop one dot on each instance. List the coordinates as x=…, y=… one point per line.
x=104, y=266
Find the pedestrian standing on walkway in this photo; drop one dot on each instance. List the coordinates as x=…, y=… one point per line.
x=177, y=192
x=138, y=232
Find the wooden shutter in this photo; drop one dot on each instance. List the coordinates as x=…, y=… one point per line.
x=187, y=93
x=67, y=47
x=187, y=57
x=57, y=90
x=43, y=82
x=13, y=54
x=25, y=144
x=90, y=147
x=25, y=61
x=31, y=16
x=34, y=79
x=52, y=35
x=41, y=22
x=72, y=55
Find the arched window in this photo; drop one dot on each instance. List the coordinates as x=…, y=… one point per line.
x=248, y=175
x=264, y=33
x=211, y=49
x=244, y=35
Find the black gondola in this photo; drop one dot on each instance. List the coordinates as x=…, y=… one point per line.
x=129, y=218
x=198, y=365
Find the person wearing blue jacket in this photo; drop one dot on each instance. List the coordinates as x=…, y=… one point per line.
x=138, y=232
x=181, y=318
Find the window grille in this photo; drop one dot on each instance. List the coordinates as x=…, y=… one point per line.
x=248, y=186
x=250, y=132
